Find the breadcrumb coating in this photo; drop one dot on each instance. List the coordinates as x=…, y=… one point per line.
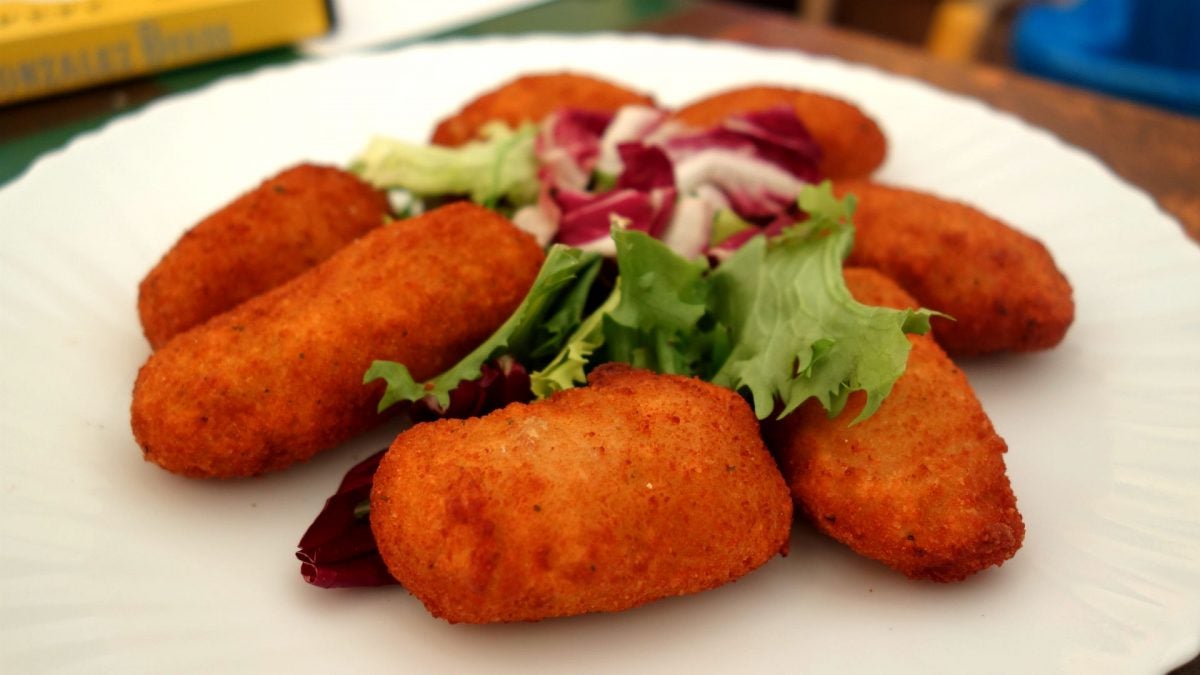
x=919, y=486
x=279, y=378
x=531, y=98
x=283, y=227
x=634, y=488
x=1001, y=286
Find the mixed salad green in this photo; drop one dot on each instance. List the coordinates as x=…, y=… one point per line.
x=714, y=254
x=722, y=271
x=773, y=320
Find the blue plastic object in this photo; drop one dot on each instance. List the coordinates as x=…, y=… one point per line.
x=1147, y=50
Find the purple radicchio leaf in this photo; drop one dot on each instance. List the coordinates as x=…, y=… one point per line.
x=774, y=135
x=667, y=179
x=781, y=138
x=691, y=226
x=776, y=226
x=758, y=162
x=646, y=167
x=568, y=146
x=644, y=197
x=756, y=190
x=500, y=382
x=632, y=123
x=338, y=550
x=587, y=218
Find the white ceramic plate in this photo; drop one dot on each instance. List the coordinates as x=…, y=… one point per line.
x=110, y=564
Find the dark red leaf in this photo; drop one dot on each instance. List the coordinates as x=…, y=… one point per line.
x=358, y=572
x=646, y=167
x=781, y=138
x=338, y=550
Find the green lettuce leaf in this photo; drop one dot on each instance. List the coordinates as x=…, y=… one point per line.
x=502, y=166
x=656, y=324
x=726, y=223
x=797, y=332
x=651, y=319
x=535, y=322
x=566, y=315
x=568, y=368
x=774, y=320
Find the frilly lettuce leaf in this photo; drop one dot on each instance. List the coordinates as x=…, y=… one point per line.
x=726, y=223
x=651, y=318
x=544, y=318
x=656, y=323
x=796, y=331
x=568, y=368
x=774, y=320
x=502, y=166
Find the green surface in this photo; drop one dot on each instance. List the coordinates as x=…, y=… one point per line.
x=576, y=16
x=29, y=130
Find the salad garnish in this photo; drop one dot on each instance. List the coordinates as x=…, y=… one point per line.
x=773, y=321
x=562, y=180
x=672, y=249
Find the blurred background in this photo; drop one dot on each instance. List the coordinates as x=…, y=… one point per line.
x=970, y=30
x=1143, y=50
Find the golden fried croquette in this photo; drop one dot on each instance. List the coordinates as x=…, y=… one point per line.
x=1000, y=285
x=286, y=225
x=530, y=99
x=852, y=144
x=279, y=377
x=919, y=486
x=634, y=488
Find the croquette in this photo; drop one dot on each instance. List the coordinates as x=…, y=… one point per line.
x=280, y=377
x=598, y=499
x=852, y=144
x=531, y=98
x=920, y=485
x=1001, y=287
x=283, y=227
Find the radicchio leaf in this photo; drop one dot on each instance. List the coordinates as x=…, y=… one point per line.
x=587, y=218
x=501, y=382
x=780, y=138
x=666, y=179
x=338, y=550
x=690, y=229
x=631, y=123
x=568, y=146
x=647, y=167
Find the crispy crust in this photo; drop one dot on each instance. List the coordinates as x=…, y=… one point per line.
x=283, y=227
x=1001, y=286
x=279, y=377
x=852, y=144
x=920, y=486
x=635, y=488
x=530, y=99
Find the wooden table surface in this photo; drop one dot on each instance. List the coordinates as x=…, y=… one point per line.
x=1154, y=150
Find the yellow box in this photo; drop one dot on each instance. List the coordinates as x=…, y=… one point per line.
x=53, y=46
